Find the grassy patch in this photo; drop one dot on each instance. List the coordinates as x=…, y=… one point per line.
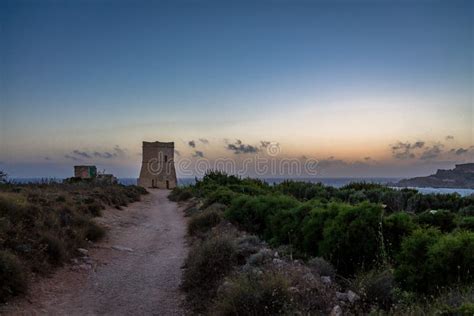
x=42, y=225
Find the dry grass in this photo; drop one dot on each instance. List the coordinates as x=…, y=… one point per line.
x=42, y=225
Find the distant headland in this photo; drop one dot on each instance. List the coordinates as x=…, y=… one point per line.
x=462, y=176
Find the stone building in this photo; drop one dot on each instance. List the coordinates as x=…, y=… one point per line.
x=158, y=169
x=85, y=172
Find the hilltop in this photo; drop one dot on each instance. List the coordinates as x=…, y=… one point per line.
x=462, y=176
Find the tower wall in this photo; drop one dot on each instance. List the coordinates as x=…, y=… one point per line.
x=158, y=169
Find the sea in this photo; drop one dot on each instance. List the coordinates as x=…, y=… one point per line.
x=335, y=182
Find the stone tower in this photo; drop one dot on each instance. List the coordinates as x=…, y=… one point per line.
x=158, y=166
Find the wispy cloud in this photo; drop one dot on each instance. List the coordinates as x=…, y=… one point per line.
x=204, y=141
x=402, y=150
x=116, y=152
x=198, y=153
x=82, y=154
x=240, y=148
x=460, y=151
x=72, y=158
x=449, y=137
x=192, y=144
x=432, y=152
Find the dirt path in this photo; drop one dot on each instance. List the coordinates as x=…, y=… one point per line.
x=136, y=270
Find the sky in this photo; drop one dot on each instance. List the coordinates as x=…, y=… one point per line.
x=362, y=88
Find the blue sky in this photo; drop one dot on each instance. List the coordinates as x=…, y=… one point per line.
x=331, y=80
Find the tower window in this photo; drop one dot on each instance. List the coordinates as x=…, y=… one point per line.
x=166, y=158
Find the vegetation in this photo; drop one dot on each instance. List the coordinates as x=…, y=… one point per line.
x=399, y=250
x=206, y=266
x=254, y=294
x=43, y=225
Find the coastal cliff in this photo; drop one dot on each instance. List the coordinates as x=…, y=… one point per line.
x=462, y=176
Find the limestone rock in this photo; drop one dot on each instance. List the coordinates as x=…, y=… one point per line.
x=336, y=311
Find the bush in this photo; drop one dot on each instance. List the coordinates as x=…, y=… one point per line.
x=444, y=220
x=396, y=227
x=285, y=226
x=253, y=214
x=221, y=195
x=451, y=259
x=467, y=210
x=376, y=288
x=55, y=249
x=322, y=267
x=95, y=209
x=206, y=266
x=94, y=232
x=352, y=240
x=12, y=276
x=412, y=272
x=254, y=294
x=314, y=224
x=180, y=194
x=203, y=222
x=467, y=223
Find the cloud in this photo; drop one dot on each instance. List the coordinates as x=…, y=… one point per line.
x=461, y=151
x=114, y=153
x=192, y=144
x=432, y=152
x=119, y=151
x=402, y=150
x=265, y=143
x=81, y=154
x=198, y=153
x=367, y=158
x=240, y=148
x=105, y=155
x=72, y=158
x=204, y=141
x=331, y=162
x=47, y=158
x=449, y=137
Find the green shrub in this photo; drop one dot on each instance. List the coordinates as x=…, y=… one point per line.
x=444, y=220
x=55, y=248
x=467, y=223
x=95, y=208
x=94, y=232
x=322, y=267
x=180, y=194
x=451, y=259
x=314, y=224
x=206, y=266
x=285, y=226
x=254, y=294
x=467, y=210
x=396, y=227
x=203, y=222
x=412, y=272
x=352, y=240
x=221, y=195
x=376, y=289
x=12, y=276
x=253, y=214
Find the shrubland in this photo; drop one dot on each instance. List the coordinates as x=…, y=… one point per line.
x=43, y=225
x=356, y=249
